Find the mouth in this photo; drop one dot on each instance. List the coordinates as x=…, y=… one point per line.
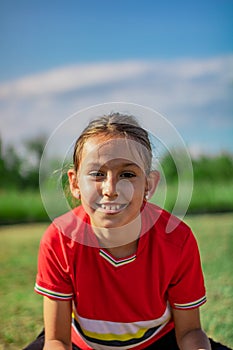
x=111, y=208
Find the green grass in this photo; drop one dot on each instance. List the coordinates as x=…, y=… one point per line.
x=215, y=238
x=207, y=197
x=212, y=197
x=21, y=206
x=21, y=308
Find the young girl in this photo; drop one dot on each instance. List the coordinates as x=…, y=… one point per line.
x=112, y=277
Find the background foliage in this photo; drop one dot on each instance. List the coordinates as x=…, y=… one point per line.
x=19, y=183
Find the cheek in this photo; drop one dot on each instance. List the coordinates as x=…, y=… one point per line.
x=89, y=191
x=125, y=189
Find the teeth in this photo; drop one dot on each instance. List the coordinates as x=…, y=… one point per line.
x=110, y=207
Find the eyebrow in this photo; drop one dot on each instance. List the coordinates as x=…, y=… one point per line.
x=125, y=165
x=131, y=164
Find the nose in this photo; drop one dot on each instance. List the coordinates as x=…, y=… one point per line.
x=109, y=187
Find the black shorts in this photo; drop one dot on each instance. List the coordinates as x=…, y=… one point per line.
x=168, y=342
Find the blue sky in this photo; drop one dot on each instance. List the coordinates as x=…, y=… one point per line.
x=38, y=35
x=51, y=47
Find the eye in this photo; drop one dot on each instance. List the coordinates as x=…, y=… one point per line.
x=96, y=174
x=128, y=174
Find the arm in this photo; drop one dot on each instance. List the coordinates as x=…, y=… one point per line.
x=57, y=320
x=189, y=334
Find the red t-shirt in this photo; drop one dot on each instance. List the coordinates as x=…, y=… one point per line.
x=121, y=303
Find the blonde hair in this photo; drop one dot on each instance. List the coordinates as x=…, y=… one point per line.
x=114, y=125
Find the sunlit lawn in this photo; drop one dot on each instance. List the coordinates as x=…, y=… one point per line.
x=21, y=308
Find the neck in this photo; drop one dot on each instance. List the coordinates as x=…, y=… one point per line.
x=123, y=251
x=120, y=241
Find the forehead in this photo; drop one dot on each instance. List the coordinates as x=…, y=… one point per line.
x=104, y=150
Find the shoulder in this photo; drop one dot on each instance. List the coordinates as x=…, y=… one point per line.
x=66, y=227
x=168, y=227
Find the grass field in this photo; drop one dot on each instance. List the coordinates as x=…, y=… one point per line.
x=21, y=308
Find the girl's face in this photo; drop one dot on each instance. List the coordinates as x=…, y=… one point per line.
x=111, y=180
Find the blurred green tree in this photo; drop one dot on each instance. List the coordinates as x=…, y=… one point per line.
x=21, y=171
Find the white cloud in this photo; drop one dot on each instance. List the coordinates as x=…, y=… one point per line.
x=72, y=78
x=194, y=95
x=82, y=76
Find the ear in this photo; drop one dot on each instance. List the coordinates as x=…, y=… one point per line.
x=73, y=182
x=152, y=183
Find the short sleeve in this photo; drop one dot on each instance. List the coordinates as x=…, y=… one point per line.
x=187, y=289
x=53, y=277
